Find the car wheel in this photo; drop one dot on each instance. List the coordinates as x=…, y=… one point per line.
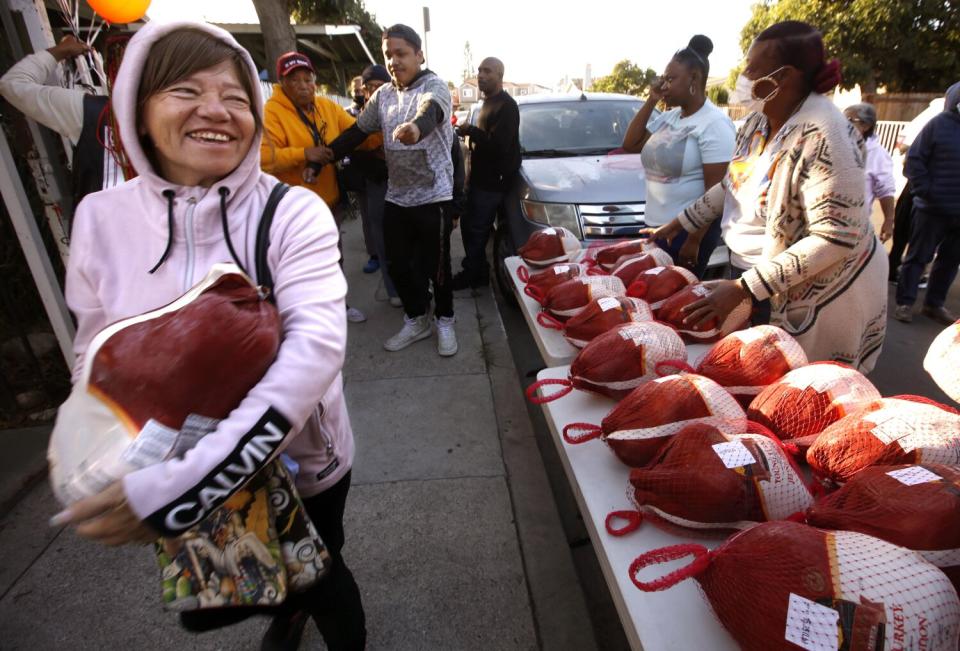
x=503, y=248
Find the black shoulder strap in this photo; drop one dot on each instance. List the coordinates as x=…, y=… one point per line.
x=261, y=268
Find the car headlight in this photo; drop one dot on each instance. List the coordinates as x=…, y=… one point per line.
x=552, y=214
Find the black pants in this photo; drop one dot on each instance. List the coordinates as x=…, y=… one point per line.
x=418, y=252
x=334, y=603
x=475, y=227
x=930, y=233
x=902, y=216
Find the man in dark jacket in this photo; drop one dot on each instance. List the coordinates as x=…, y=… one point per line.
x=933, y=169
x=494, y=160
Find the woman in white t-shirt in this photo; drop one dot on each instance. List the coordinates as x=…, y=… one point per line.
x=685, y=150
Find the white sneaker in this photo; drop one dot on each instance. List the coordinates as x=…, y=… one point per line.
x=395, y=301
x=413, y=330
x=446, y=336
x=355, y=316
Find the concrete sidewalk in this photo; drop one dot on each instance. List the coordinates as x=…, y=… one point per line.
x=452, y=530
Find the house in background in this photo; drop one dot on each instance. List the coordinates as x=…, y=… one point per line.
x=469, y=93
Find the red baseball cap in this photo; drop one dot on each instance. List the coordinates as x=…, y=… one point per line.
x=290, y=61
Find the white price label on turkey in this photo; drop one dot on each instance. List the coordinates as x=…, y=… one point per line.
x=549, y=231
x=812, y=626
x=914, y=475
x=561, y=269
x=608, y=303
x=734, y=454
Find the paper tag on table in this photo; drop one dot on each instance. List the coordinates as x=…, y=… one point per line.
x=812, y=626
x=914, y=475
x=734, y=454
x=608, y=303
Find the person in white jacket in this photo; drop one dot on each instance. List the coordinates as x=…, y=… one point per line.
x=189, y=109
x=77, y=115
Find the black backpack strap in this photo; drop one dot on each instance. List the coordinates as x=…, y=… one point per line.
x=261, y=268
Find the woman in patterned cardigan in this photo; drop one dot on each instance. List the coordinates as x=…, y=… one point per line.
x=792, y=202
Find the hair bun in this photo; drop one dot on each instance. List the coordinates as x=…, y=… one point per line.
x=701, y=44
x=828, y=77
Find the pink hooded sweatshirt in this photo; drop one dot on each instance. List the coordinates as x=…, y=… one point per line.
x=120, y=233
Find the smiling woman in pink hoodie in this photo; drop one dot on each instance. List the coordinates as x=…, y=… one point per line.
x=188, y=104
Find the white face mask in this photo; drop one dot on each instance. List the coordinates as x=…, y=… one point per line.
x=745, y=91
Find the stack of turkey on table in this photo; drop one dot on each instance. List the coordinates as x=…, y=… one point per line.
x=839, y=508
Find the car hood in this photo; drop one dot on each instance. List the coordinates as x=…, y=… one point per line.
x=616, y=178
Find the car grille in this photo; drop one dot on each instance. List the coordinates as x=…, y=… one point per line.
x=608, y=221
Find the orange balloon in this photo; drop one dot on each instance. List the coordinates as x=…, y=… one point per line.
x=120, y=11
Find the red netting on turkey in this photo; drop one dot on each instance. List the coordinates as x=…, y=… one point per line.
x=608, y=257
x=144, y=376
x=747, y=361
x=708, y=481
x=538, y=284
x=651, y=414
x=617, y=362
x=806, y=400
x=671, y=312
x=903, y=429
x=568, y=298
x=600, y=316
x=631, y=267
x=549, y=246
x=942, y=361
x=784, y=585
x=914, y=506
x=656, y=285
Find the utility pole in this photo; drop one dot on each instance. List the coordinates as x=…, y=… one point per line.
x=426, y=30
x=467, y=61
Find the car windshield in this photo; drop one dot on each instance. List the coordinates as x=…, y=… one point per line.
x=575, y=127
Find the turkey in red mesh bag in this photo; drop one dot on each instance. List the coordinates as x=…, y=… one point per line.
x=903, y=429
x=651, y=414
x=914, y=506
x=656, y=285
x=538, y=284
x=784, y=585
x=601, y=315
x=549, y=246
x=671, y=312
x=747, y=361
x=706, y=480
x=943, y=361
x=631, y=267
x=806, y=400
x=570, y=297
x=617, y=362
x=608, y=257
x=145, y=376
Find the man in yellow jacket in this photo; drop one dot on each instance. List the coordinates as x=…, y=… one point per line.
x=298, y=124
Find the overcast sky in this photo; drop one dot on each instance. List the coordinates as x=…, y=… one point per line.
x=538, y=40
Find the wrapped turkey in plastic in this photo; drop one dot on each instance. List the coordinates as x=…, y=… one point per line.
x=656, y=285
x=671, y=312
x=943, y=361
x=150, y=381
x=610, y=256
x=549, y=246
x=631, y=267
x=571, y=297
x=784, y=585
x=539, y=283
x=617, y=362
x=598, y=317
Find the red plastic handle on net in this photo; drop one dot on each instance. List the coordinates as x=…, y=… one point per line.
x=678, y=364
x=549, y=321
x=590, y=432
x=701, y=560
x=633, y=520
x=534, y=292
x=545, y=398
x=523, y=274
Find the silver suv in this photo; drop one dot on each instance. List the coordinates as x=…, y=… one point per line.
x=569, y=177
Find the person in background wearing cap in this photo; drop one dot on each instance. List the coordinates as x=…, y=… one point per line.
x=879, y=165
x=356, y=88
x=933, y=169
x=298, y=124
x=414, y=113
